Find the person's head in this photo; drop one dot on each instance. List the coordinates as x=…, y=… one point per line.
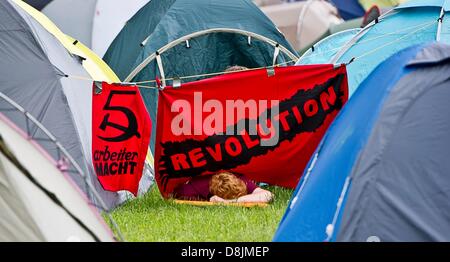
x=235, y=68
x=227, y=186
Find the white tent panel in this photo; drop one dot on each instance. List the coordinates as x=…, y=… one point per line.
x=73, y=17
x=109, y=18
x=303, y=22
x=53, y=221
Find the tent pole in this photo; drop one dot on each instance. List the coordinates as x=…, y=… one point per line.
x=301, y=17
x=161, y=69
x=356, y=38
x=330, y=229
x=439, y=28
x=152, y=56
x=276, y=52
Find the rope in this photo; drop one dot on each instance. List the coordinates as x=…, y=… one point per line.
x=390, y=43
x=423, y=26
x=217, y=73
x=183, y=77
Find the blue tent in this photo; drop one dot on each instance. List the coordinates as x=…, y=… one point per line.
x=323, y=51
x=412, y=23
x=382, y=171
x=349, y=9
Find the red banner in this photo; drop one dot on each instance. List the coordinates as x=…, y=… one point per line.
x=264, y=124
x=120, y=136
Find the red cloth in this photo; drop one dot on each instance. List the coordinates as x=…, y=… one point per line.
x=198, y=188
x=120, y=136
x=307, y=97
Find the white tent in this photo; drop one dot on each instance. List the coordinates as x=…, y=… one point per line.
x=304, y=22
x=95, y=23
x=38, y=200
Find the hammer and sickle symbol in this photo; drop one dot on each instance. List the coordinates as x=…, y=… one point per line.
x=128, y=131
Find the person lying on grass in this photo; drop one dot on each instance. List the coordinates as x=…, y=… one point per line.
x=223, y=187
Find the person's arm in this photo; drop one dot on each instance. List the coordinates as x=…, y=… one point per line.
x=258, y=195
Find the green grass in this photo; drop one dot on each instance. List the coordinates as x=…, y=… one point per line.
x=150, y=218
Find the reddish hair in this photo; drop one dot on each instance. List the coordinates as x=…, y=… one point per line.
x=227, y=186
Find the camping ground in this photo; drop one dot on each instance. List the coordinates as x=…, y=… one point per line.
x=151, y=218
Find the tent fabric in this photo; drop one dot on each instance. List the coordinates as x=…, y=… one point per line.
x=426, y=3
x=409, y=200
x=95, y=23
x=161, y=22
x=303, y=22
x=28, y=211
x=367, y=4
x=383, y=159
x=410, y=24
x=33, y=65
x=15, y=223
x=334, y=29
x=94, y=65
x=324, y=51
x=349, y=9
x=158, y=23
x=38, y=4
x=109, y=18
x=74, y=17
x=268, y=2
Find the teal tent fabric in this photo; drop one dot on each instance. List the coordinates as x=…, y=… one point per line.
x=324, y=51
x=124, y=50
x=161, y=22
x=415, y=22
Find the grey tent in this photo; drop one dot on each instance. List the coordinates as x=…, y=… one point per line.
x=93, y=22
x=38, y=202
x=39, y=74
x=382, y=171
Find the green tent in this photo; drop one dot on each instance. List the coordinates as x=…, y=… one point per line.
x=177, y=38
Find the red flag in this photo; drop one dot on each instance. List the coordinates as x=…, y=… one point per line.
x=264, y=124
x=120, y=136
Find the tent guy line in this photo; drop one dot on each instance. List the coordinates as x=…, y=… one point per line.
x=182, y=77
x=421, y=27
x=390, y=43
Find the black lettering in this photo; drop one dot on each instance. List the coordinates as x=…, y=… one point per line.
x=105, y=169
x=98, y=168
x=132, y=166
x=113, y=168
x=123, y=168
x=304, y=112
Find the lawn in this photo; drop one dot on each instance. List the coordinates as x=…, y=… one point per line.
x=150, y=218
